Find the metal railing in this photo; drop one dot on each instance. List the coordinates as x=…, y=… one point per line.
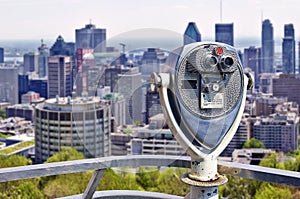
x=100, y=164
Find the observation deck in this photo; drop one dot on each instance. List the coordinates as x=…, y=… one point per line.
x=100, y=164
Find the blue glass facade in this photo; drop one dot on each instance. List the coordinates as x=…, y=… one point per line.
x=191, y=34
x=252, y=60
x=1, y=55
x=267, y=51
x=43, y=60
x=23, y=85
x=91, y=37
x=39, y=86
x=224, y=33
x=288, y=50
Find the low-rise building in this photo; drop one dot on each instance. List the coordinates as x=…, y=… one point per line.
x=250, y=156
x=279, y=131
x=20, y=110
x=15, y=126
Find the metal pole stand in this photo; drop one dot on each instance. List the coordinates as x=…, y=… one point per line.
x=204, y=179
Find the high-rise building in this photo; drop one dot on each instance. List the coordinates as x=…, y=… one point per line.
x=112, y=76
x=288, y=50
x=130, y=86
x=240, y=137
x=30, y=62
x=224, y=33
x=252, y=60
x=191, y=34
x=85, y=62
x=266, y=83
x=43, y=60
x=23, y=85
x=91, y=37
x=60, y=47
x=287, y=85
x=151, y=61
x=117, y=103
x=80, y=53
x=267, y=49
x=153, y=106
x=298, y=57
x=59, y=76
x=81, y=123
x=39, y=85
x=9, y=83
x=1, y=55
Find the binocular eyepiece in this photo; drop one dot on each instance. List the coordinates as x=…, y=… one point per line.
x=222, y=62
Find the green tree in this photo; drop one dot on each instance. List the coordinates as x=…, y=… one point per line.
x=272, y=161
x=269, y=191
x=253, y=143
x=2, y=114
x=20, y=188
x=13, y=161
x=238, y=187
x=169, y=182
x=66, y=154
x=122, y=180
x=147, y=178
x=66, y=184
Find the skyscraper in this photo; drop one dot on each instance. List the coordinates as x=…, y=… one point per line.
x=224, y=33
x=153, y=106
x=152, y=61
x=130, y=86
x=191, y=34
x=252, y=60
x=1, y=55
x=288, y=50
x=30, y=62
x=43, y=60
x=112, y=76
x=23, y=84
x=59, y=76
x=267, y=51
x=117, y=104
x=91, y=37
x=87, y=72
x=9, y=84
x=60, y=47
x=40, y=86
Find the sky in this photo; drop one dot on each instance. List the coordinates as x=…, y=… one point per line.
x=36, y=19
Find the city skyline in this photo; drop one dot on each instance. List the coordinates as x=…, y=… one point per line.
x=31, y=19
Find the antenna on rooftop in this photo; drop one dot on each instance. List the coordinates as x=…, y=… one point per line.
x=221, y=11
x=90, y=21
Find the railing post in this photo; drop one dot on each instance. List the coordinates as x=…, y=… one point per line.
x=93, y=183
x=203, y=179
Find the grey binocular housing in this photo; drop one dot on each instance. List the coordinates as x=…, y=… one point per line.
x=203, y=94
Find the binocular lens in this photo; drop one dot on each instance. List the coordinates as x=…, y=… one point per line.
x=228, y=61
x=212, y=61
